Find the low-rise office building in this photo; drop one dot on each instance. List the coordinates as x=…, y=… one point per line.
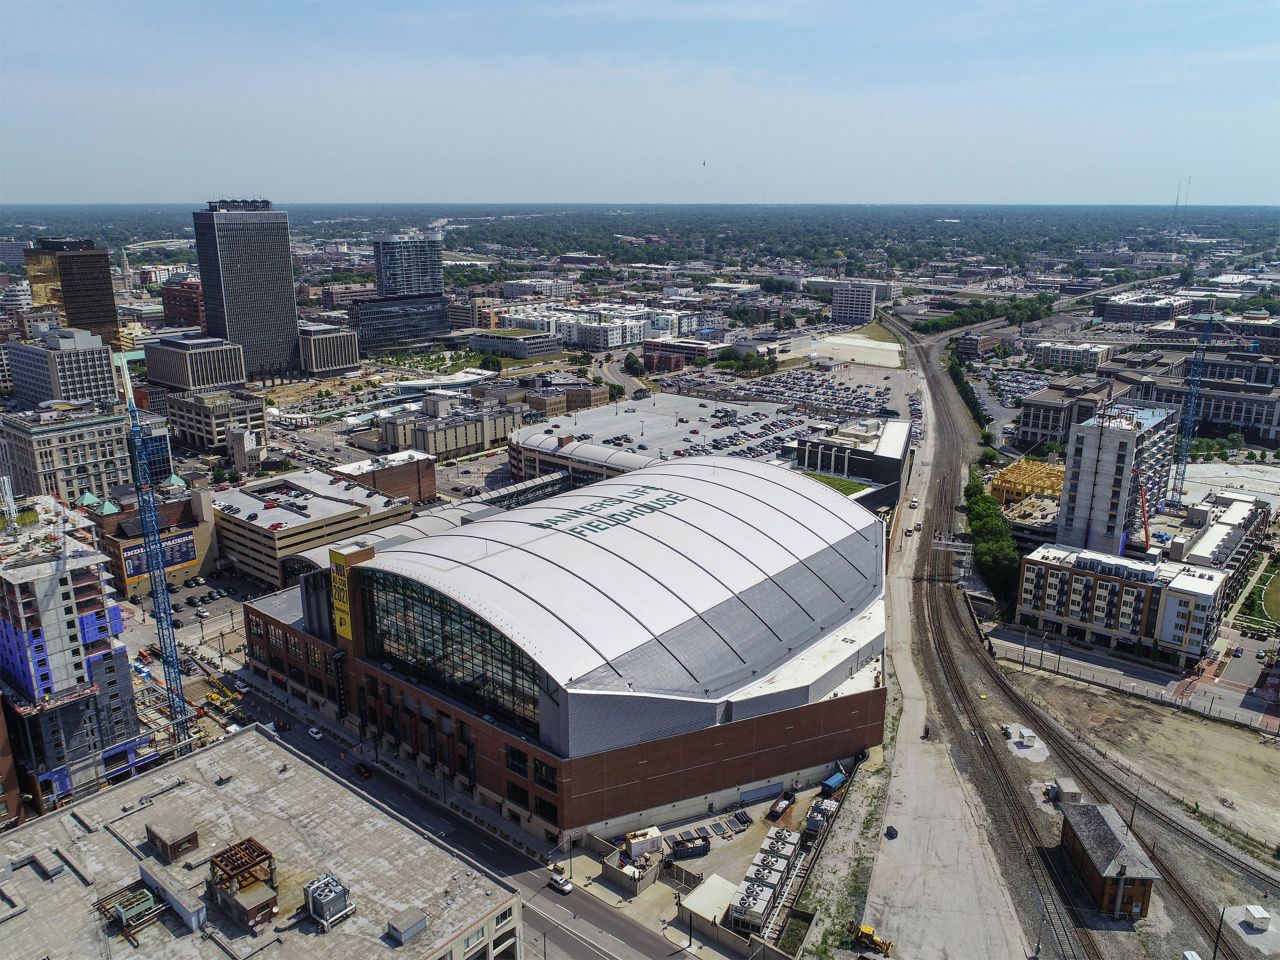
x=874, y=450
x=204, y=419
x=326, y=350
x=547, y=403
x=1239, y=390
x=334, y=295
x=229, y=840
x=464, y=433
x=62, y=364
x=186, y=536
x=686, y=349
x=762, y=668
x=410, y=474
x=66, y=453
x=1048, y=415
x=264, y=520
x=194, y=362
x=516, y=343
x=584, y=395
x=1168, y=611
x=976, y=346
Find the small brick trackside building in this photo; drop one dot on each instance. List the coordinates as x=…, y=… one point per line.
x=1108, y=859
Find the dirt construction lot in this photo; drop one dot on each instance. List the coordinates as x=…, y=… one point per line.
x=1230, y=772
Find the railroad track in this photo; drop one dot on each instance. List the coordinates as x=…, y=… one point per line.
x=946, y=615
x=1064, y=924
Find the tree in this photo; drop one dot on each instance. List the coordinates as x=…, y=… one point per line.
x=582, y=372
x=608, y=358
x=597, y=380
x=271, y=401
x=632, y=365
x=617, y=391
x=490, y=362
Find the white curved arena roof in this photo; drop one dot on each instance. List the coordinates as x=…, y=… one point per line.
x=683, y=578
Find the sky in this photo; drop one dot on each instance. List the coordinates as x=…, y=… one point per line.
x=702, y=101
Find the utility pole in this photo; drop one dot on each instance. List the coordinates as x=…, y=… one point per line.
x=1217, y=937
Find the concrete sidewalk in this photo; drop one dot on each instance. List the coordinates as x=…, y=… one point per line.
x=937, y=890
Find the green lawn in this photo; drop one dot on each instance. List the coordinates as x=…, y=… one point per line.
x=877, y=331
x=841, y=484
x=1271, y=599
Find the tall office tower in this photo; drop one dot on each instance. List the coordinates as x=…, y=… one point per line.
x=67, y=692
x=13, y=252
x=853, y=302
x=246, y=271
x=409, y=264
x=74, y=277
x=1115, y=459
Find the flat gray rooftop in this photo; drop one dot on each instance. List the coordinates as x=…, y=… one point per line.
x=56, y=868
x=655, y=422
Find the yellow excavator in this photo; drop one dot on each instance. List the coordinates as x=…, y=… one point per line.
x=864, y=935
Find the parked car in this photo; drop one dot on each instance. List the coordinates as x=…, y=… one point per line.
x=363, y=771
x=560, y=883
x=314, y=733
x=241, y=686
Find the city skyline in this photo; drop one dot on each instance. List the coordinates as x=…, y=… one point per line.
x=638, y=103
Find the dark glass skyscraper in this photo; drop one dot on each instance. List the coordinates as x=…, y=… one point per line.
x=247, y=271
x=75, y=277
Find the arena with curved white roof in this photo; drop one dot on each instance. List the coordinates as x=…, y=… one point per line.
x=726, y=609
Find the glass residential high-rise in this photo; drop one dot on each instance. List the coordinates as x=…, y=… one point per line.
x=409, y=264
x=74, y=277
x=247, y=274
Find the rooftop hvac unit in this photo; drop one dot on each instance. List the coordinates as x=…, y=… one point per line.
x=786, y=836
x=769, y=861
x=764, y=877
x=327, y=900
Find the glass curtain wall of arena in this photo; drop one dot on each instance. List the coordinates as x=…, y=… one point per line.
x=443, y=645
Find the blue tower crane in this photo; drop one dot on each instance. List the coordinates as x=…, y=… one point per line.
x=160, y=609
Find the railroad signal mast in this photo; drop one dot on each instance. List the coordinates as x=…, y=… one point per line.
x=161, y=611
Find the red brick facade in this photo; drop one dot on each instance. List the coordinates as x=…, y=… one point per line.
x=500, y=766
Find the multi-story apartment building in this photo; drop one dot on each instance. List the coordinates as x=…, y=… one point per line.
x=194, y=362
x=74, y=277
x=64, y=679
x=397, y=323
x=333, y=295
x=247, y=271
x=536, y=287
x=66, y=454
x=1117, y=468
x=62, y=364
x=409, y=264
x=325, y=350
x=1138, y=306
x=15, y=299
x=1048, y=415
x=1070, y=356
x=595, y=328
x=853, y=302
x=183, y=298
x=1173, y=610
x=205, y=419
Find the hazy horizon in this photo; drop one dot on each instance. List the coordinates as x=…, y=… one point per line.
x=661, y=102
